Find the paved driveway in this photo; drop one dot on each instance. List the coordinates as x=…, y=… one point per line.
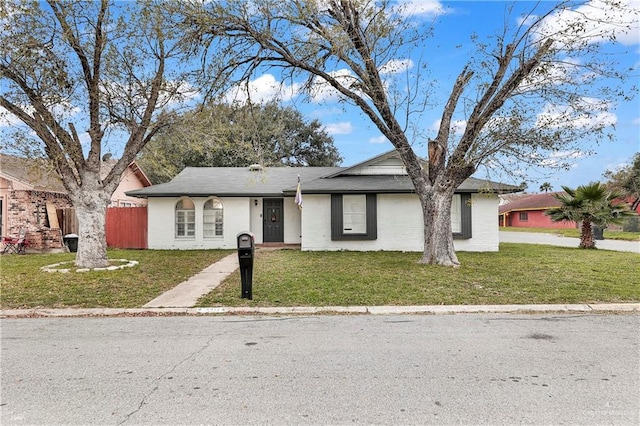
x=555, y=240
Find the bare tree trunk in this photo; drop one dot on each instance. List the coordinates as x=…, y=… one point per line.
x=91, y=210
x=438, y=237
x=586, y=235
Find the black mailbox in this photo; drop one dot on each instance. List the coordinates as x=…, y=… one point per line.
x=246, y=250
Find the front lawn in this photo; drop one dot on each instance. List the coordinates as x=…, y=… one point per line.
x=519, y=273
x=24, y=285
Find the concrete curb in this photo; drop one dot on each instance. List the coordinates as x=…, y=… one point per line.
x=307, y=310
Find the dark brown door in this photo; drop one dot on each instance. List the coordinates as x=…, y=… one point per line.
x=273, y=229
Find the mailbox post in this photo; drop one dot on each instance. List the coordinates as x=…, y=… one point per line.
x=246, y=251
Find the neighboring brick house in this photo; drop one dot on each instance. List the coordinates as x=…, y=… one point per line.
x=32, y=197
x=527, y=211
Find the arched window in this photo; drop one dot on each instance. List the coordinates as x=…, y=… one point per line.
x=212, y=218
x=185, y=218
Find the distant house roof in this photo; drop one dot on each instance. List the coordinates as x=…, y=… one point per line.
x=31, y=174
x=531, y=202
x=279, y=181
x=38, y=175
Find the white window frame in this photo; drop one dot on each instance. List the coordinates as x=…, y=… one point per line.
x=456, y=214
x=185, y=219
x=213, y=219
x=354, y=214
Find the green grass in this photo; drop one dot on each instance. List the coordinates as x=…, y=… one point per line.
x=517, y=274
x=24, y=285
x=573, y=232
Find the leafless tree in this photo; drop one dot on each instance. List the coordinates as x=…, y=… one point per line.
x=109, y=69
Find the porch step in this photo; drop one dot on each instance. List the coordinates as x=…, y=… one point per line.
x=278, y=245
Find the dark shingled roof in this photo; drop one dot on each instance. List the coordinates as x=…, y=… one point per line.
x=234, y=181
x=279, y=181
x=387, y=184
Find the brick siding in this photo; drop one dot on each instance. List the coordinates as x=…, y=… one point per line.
x=28, y=210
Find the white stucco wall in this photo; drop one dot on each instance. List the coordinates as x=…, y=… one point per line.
x=484, y=227
x=240, y=214
x=256, y=219
x=292, y=222
x=399, y=225
x=161, y=223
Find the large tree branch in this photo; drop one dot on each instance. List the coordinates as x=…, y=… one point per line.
x=137, y=139
x=59, y=143
x=90, y=71
x=438, y=147
x=481, y=116
x=52, y=148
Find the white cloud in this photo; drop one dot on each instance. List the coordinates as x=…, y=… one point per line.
x=181, y=92
x=554, y=73
x=396, y=66
x=321, y=91
x=261, y=90
x=594, y=21
x=596, y=114
x=379, y=139
x=457, y=126
x=562, y=159
x=343, y=128
x=420, y=8
x=7, y=119
x=527, y=20
x=636, y=121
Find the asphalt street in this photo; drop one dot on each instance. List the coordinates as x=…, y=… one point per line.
x=358, y=369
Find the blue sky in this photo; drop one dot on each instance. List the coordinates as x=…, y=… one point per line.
x=357, y=139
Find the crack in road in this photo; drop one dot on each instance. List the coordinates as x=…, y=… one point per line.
x=165, y=374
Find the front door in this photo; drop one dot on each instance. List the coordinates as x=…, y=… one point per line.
x=273, y=229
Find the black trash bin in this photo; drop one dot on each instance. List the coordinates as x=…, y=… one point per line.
x=71, y=241
x=598, y=233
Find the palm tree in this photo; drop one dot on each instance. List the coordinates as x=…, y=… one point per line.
x=591, y=204
x=546, y=187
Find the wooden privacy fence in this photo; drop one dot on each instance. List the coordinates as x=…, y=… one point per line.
x=66, y=220
x=127, y=227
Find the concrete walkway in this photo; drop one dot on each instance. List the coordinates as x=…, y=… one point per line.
x=187, y=293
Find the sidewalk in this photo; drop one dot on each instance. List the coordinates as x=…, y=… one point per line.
x=187, y=293
x=633, y=308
